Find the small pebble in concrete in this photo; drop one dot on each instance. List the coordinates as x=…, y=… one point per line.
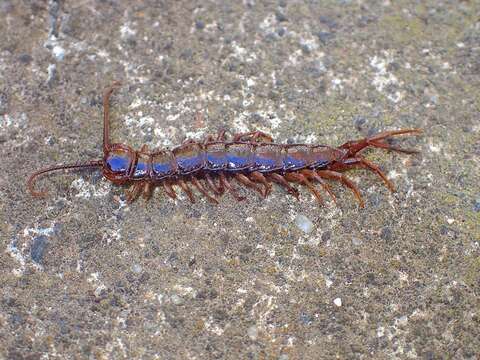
x=304, y=223
x=136, y=268
x=177, y=300
x=476, y=205
x=252, y=332
x=38, y=247
x=338, y=302
x=356, y=241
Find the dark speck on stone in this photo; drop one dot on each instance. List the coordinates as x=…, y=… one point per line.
x=386, y=233
x=306, y=319
x=38, y=247
x=281, y=31
x=328, y=21
x=280, y=16
x=3, y=103
x=324, y=36
x=359, y=121
x=476, y=205
x=199, y=24
x=326, y=235
x=25, y=59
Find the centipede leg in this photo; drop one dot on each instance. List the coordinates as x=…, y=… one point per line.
x=242, y=179
x=221, y=135
x=230, y=188
x=188, y=142
x=183, y=185
x=253, y=136
x=258, y=177
x=169, y=190
x=147, y=190
x=134, y=191
x=302, y=179
x=329, y=174
x=375, y=141
x=279, y=179
x=219, y=190
x=312, y=175
x=204, y=191
x=365, y=164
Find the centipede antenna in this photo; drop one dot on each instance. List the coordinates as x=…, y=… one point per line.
x=32, y=179
x=106, y=115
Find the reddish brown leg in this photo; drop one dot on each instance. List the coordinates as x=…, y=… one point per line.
x=329, y=174
x=358, y=145
x=202, y=189
x=219, y=190
x=302, y=179
x=221, y=135
x=258, y=177
x=312, y=175
x=187, y=190
x=147, y=190
x=169, y=190
x=209, y=138
x=253, y=136
x=279, y=179
x=365, y=164
x=188, y=142
x=230, y=188
x=133, y=192
x=379, y=144
x=242, y=179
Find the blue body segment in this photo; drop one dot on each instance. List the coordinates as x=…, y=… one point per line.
x=188, y=164
x=118, y=163
x=216, y=161
x=163, y=165
x=296, y=157
x=162, y=169
x=267, y=158
x=293, y=163
x=141, y=170
x=239, y=156
x=189, y=158
x=215, y=156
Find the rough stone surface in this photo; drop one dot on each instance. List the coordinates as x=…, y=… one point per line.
x=83, y=275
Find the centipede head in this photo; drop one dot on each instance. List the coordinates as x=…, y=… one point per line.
x=117, y=163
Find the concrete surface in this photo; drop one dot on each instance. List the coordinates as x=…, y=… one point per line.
x=83, y=275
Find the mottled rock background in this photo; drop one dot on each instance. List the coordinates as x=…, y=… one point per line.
x=84, y=275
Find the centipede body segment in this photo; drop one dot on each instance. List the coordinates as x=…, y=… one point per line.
x=252, y=159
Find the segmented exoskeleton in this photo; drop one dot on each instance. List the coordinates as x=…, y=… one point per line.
x=253, y=159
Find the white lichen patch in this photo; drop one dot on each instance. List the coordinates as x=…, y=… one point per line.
x=111, y=235
x=19, y=247
x=99, y=286
x=214, y=328
x=87, y=190
x=127, y=32
x=384, y=78
x=16, y=121
x=139, y=121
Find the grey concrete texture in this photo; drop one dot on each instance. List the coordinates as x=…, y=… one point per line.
x=85, y=275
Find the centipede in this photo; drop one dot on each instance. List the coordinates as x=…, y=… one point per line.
x=251, y=159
